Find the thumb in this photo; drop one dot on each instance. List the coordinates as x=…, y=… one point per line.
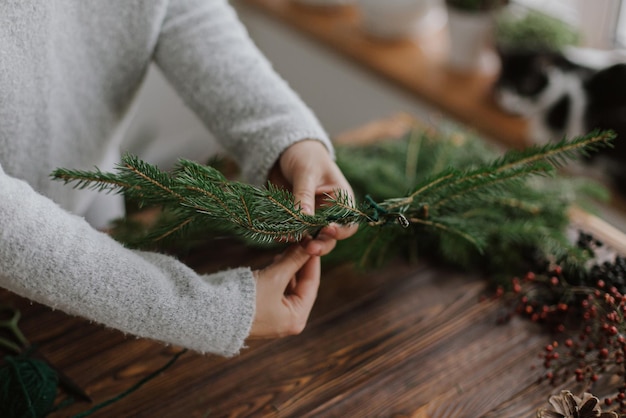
x=304, y=192
x=290, y=262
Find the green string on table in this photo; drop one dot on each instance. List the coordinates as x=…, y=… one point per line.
x=132, y=388
x=28, y=387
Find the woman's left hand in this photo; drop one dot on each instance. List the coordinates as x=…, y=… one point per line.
x=307, y=169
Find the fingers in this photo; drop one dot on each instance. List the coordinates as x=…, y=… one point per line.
x=309, y=278
x=327, y=239
x=343, y=232
x=305, y=293
x=320, y=246
x=337, y=232
x=308, y=168
x=283, y=307
x=288, y=264
x=304, y=192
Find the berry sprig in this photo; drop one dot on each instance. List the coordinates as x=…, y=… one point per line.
x=587, y=315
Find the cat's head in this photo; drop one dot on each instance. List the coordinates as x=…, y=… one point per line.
x=524, y=78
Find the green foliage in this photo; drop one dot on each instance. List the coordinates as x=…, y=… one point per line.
x=534, y=31
x=195, y=197
x=459, y=202
x=490, y=213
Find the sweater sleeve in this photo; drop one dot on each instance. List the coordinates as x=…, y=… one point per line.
x=207, y=55
x=53, y=257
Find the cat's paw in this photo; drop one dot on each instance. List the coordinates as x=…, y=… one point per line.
x=514, y=103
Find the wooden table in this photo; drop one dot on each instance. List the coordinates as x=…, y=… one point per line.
x=406, y=340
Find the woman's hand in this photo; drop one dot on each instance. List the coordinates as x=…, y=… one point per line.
x=307, y=169
x=286, y=291
x=287, y=288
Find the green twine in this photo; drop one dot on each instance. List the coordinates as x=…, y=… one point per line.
x=28, y=387
x=132, y=388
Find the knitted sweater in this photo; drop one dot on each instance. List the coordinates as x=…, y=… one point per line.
x=69, y=71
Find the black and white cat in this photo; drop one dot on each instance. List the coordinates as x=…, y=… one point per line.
x=562, y=98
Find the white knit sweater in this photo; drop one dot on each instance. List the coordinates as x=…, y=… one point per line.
x=69, y=70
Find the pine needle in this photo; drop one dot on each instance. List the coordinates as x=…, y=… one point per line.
x=473, y=203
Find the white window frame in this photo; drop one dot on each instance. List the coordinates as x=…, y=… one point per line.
x=620, y=32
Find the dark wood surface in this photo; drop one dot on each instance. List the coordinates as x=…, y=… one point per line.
x=408, y=340
x=402, y=341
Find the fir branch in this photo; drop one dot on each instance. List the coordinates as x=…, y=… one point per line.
x=441, y=206
x=532, y=160
x=485, y=196
x=93, y=180
x=448, y=229
x=195, y=191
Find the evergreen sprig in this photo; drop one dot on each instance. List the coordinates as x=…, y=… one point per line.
x=469, y=206
x=456, y=209
x=194, y=195
x=441, y=197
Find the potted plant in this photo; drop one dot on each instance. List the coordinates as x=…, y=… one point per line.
x=533, y=30
x=470, y=28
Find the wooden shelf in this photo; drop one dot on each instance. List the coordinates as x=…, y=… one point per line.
x=416, y=65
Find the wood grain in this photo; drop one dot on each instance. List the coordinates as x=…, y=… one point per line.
x=411, y=340
x=408, y=340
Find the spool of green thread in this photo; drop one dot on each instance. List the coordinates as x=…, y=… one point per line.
x=28, y=388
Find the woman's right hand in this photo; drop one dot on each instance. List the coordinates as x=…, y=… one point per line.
x=286, y=292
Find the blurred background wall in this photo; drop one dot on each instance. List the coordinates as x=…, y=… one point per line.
x=342, y=95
